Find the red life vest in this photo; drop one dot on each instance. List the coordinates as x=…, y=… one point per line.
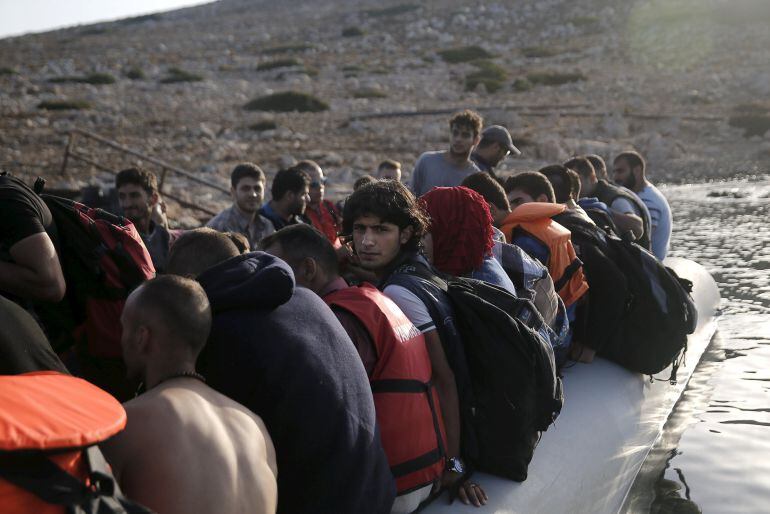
x=565, y=268
x=58, y=414
x=405, y=401
x=325, y=220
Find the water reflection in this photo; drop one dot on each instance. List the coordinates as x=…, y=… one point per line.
x=714, y=456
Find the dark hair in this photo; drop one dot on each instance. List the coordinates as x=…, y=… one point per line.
x=181, y=305
x=467, y=118
x=581, y=165
x=391, y=202
x=198, y=250
x=246, y=169
x=600, y=167
x=574, y=179
x=389, y=163
x=633, y=159
x=142, y=178
x=533, y=183
x=292, y=179
x=489, y=188
x=559, y=178
x=362, y=181
x=300, y=241
x=308, y=166
x=240, y=241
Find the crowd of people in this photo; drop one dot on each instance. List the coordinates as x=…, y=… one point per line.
x=289, y=357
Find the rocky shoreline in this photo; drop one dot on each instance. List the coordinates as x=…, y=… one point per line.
x=673, y=79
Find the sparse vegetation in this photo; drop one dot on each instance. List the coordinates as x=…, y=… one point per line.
x=352, y=32
x=752, y=124
x=287, y=101
x=585, y=21
x=287, y=49
x=539, y=51
x=7, y=71
x=140, y=19
x=392, y=11
x=279, y=63
x=369, y=93
x=135, y=74
x=264, y=125
x=178, y=75
x=93, y=31
x=521, y=84
x=92, y=78
x=464, y=54
x=554, y=78
x=63, y=105
x=489, y=73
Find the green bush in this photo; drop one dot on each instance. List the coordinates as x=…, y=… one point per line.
x=539, y=51
x=178, y=75
x=464, y=54
x=555, y=78
x=261, y=126
x=585, y=21
x=93, y=78
x=752, y=124
x=287, y=49
x=63, y=105
x=139, y=19
x=521, y=85
x=489, y=73
x=7, y=71
x=369, y=93
x=279, y=63
x=135, y=74
x=391, y=11
x=287, y=101
x=352, y=32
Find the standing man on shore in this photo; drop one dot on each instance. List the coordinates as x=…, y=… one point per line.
x=629, y=171
x=448, y=168
x=495, y=145
x=247, y=188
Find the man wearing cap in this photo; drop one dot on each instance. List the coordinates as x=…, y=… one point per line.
x=495, y=145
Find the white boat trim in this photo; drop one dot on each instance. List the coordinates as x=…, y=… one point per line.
x=587, y=461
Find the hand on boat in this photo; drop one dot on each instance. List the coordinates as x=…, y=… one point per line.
x=471, y=493
x=460, y=486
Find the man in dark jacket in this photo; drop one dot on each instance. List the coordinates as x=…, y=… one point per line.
x=280, y=351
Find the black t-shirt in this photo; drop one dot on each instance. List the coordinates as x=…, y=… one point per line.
x=23, y=347
x=22, y=214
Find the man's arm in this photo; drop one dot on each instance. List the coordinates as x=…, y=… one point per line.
x=35, y=273
x=628, y=222
x=626, y=217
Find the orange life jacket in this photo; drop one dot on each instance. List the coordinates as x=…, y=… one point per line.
x=325, y=220
x=566, y=270
x=49, y=411
x=405, y=401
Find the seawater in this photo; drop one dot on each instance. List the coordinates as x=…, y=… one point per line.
x=714, y=454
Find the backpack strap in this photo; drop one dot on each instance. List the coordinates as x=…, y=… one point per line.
x=569, y=272
x=35, y=473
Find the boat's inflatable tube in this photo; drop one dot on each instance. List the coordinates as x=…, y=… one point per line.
x=588, y=460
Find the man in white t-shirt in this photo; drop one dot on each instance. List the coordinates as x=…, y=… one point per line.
x=387, y=225
x=629, y=171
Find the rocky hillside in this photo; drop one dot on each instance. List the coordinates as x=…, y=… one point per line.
x=686, y=82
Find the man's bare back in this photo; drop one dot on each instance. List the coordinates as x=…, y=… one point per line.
x=188, y=449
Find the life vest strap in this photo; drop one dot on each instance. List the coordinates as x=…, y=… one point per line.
x=569, y=272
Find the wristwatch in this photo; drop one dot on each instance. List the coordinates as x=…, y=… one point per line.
x=455, y=465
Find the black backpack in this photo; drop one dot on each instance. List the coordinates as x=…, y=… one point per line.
x=515, y=393
x=659, y=315
x=640, y=312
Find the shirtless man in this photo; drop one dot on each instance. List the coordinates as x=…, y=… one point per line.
x=186, y=448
